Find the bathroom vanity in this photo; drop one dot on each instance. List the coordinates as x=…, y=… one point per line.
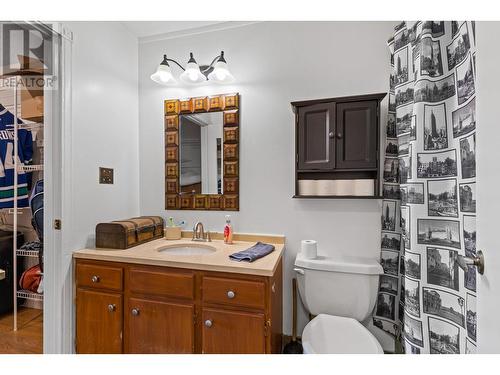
x=179, y=297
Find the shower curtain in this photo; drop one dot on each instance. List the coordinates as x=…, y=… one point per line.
x=429, y=207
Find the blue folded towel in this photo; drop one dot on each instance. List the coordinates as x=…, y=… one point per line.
x=253, y=253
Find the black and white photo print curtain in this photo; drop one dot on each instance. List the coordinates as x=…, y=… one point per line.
x=429, y=206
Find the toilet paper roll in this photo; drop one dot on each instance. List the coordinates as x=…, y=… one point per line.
x=364, y=187
x=307, y=187
x=345, y=187
x=309, y=248
x=325, y=187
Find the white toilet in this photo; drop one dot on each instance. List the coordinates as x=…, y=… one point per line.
x=341, y=292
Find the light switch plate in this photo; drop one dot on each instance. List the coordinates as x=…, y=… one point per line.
x=106, y=175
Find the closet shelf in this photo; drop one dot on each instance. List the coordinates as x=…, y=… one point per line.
x=20, y=210
x=30, y=168
x=27, y=253
x=29, y=126
x=26, y=294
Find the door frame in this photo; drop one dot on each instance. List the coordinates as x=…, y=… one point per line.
x=58, y=319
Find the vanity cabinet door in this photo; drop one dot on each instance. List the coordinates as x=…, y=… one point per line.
x=232, y=332
x=156, y=327
x=357, y=138
x=98, y=322
x=316, y=137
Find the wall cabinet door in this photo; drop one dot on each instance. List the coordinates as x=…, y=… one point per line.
x=98, y=322
x=356, y=146
x=316, y=137
x=153, y=326
x=232, y=332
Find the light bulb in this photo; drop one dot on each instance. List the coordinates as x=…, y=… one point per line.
x=192, y=74
x=221, y=73
x=163, y=74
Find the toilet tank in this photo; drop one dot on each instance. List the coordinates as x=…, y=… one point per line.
x=341, y=286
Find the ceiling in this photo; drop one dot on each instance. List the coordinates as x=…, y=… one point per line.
x=143, y=29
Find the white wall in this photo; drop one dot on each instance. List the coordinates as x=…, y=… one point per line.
x=274, y=64
x=488, y=180
x=104, y=133
x=105, y=124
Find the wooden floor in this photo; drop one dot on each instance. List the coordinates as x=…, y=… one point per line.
x=28, y=339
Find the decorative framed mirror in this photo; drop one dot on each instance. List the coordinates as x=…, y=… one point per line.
x=202, y=153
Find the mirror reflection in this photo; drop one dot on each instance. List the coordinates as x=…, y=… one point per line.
x=201, y=153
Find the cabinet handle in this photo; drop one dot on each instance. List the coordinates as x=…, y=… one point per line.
x=135, y=312
x=95, y=279
x=111, y=307
x=339, y=135
x=331, y=135
x=208, y=323
x=231, y=294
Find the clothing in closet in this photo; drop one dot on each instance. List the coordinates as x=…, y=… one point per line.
x=25, y=151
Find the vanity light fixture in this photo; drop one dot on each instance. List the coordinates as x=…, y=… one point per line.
x=217, y=71
x=163, y=74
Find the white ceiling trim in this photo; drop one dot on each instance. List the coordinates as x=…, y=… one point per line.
x=197, y=30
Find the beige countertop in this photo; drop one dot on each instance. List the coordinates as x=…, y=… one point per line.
x=218, y=260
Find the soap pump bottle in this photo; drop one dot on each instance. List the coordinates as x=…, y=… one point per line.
x=228, y=231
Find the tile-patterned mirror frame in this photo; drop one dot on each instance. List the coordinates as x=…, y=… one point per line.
x=229, y=201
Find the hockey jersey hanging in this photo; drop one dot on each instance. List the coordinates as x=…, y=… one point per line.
x=25, y=153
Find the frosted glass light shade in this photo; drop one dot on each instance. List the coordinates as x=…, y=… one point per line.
x=221, y=73
x=163, y=75
x=192, y=74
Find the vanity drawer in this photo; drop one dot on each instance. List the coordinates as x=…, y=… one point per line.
x=178, y=284
x=99, y=276
x=234, y=292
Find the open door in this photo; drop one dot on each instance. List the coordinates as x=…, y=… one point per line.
x=488, y=179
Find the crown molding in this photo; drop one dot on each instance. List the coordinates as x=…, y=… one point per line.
x=194, y=31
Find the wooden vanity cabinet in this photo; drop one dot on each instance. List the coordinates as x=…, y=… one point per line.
x=155, y=326
x=100, y=322
x=99, y=308
x=237, y=332
x=173, y=310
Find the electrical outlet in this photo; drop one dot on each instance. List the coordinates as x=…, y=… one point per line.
x=106, y=175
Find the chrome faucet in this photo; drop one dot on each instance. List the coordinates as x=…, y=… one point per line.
x=199, y=233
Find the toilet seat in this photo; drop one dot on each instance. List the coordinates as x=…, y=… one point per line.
x=327, y=334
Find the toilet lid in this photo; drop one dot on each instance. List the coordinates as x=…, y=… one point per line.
x=327, y=334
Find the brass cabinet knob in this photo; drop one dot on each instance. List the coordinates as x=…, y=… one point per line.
x=208, y=323
x=231, y=294
x=135, y=312
x=95, y=279
x=111, y=307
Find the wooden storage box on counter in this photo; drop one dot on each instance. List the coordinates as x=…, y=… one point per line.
x=123, y=234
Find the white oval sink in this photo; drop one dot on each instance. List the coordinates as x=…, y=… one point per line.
x=188, y=249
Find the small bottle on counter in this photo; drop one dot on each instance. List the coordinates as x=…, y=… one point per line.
x=228, y=231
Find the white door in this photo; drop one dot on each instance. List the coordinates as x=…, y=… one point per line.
x=488, y=184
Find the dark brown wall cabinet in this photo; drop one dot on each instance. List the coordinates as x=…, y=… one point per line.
x=337, y=140
x=316, y=132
